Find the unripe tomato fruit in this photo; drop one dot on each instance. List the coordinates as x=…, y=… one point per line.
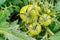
x=45, y=20
x=34, y=29
x=32, y=14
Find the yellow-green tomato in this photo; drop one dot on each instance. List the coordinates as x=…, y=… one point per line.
x=32, y=14
x=45, y=20
x=34, y=29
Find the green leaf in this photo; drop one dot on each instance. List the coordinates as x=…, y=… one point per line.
x=55, y=37
x=2, y=38
x=10, y=9
x=58, y=17
x=4, y=15
x=57, y=0
x=11, y=32
x=57, y=27
x=2, y=1
x=25, y=2
x=57, y=7
x=58, y=33
x=4, y=24
x=17, y=35
x=17, y=9
x=7, y=13
x=17, y=2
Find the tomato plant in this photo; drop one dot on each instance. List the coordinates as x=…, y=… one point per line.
x=29, y=19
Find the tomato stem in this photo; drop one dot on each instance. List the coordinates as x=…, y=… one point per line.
x=49, y=31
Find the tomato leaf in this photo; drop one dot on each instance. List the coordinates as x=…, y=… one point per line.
x=57, y=6
x=25, y=2
x=57, y=27
x=11, y=33
x=2, y=1
x=17, y=9
x=55, y=37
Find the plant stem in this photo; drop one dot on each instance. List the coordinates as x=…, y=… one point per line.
x=49, y=31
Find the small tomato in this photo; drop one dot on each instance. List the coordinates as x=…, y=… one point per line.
x=34, y=29
x=45, y=20
x=32, y=14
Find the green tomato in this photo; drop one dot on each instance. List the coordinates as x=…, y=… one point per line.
x=34, y=29
x=45, y=20
x=32, y=14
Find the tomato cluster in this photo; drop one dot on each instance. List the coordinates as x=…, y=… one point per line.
x=32, y=14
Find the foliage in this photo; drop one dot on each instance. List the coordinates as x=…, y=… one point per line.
x=32, y=19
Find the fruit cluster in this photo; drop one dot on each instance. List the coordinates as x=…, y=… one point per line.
x=33, y=16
